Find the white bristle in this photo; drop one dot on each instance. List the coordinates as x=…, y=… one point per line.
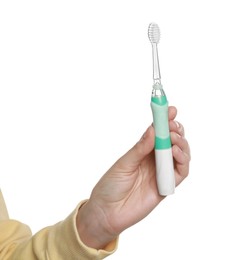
x=154, y=33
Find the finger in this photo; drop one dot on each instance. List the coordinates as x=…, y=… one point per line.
x=180, y=128
x=172, y=112
x=180, y=141
x=180, y=156
x=177, y=127
x=172, y=126
x=181, y=160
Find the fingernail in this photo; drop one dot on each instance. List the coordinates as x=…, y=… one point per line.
x=180, y=128
x=177, y=124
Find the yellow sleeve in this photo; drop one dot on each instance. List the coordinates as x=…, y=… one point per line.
x=58, y=242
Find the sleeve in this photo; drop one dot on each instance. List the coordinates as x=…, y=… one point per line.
x=58, y=242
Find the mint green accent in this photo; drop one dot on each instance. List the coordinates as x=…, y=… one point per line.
x=159, y=107
x=160, y=100
x=162, y=143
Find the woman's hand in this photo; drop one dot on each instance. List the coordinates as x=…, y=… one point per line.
x=128, y=192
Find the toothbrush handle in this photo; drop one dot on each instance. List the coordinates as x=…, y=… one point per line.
x=163, y=153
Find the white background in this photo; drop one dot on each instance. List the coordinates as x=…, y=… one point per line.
x=75, y=85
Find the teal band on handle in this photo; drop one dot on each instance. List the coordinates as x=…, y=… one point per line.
x=159, y=107
x=162, y=143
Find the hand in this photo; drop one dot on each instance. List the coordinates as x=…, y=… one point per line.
x=128, y=192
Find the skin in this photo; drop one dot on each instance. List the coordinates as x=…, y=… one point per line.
x=127, y=192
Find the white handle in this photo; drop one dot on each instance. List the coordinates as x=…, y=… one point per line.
x=165, y=172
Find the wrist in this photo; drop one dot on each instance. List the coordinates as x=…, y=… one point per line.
x=90, y=225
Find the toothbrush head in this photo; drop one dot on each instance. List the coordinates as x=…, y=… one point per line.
x=154, y=33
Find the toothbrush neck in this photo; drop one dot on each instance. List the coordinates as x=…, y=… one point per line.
x=156, y=67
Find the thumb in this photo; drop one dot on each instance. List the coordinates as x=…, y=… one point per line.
x=139, y=151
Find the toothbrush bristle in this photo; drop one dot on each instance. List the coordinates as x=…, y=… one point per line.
x=154, y=33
